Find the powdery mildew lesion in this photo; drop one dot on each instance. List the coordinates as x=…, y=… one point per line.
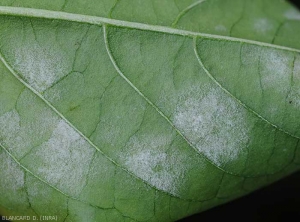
x=11, y=173
x=148, y=158
x=40, y=66
x=10, y=128
x=12, y=185
x=292, y=14
x=220, y=28
x=12, y=135
x=294, y=94
x=40, y=194
x=274, y=67
x=214, y=123
x=263, y=25
x=26, y=126
x=62, y=159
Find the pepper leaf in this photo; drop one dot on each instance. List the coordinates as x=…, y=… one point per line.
x=144, y=110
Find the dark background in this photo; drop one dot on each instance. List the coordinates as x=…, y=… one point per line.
x=276, y=203
x=279, y=202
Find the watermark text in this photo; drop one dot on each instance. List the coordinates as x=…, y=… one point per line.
x=30, y=218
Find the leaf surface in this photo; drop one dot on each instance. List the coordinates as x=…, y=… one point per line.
x=130, y=111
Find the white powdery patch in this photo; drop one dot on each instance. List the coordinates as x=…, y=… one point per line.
x=263, y=25
x=220, y=28
x=9, y=126
x=65, y=159
x=296, y=71
x=214, y=123
x=10, y=133
x=294, y=95
x=276, y=71
x=148, y=160
x=110, y=133
x=20, y=136
x=54, y=95
x=41, y=67
x=12, y=176
x=292, y=14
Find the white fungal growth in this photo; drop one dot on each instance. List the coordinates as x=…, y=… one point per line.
x=296, y=71
x=214, y=123
x=65, y=159
x=220, y=28
x=54, y=96
x=294, y=95
x=9, y=125
x=10, y=131
x=275, y=71
x=292, y=14
x=147, y=158
x=263, y=25
x=12, y=185
x=12, y=176
x=41, y=67
x=21, y=133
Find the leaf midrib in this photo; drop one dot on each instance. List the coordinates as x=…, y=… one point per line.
x=96, y=20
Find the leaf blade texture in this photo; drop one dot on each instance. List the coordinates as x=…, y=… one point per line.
x=111, y=114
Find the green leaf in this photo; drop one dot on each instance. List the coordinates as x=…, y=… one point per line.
x=144, y=110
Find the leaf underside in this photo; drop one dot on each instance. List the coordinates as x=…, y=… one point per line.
x=129, y=111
